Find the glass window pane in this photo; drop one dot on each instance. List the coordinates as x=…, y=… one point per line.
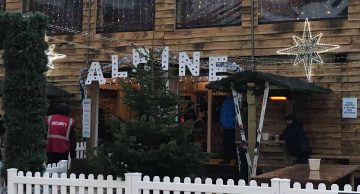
x=125, y=15
x=65, y=16
x=287, y=10
x=207, y=13
x=2, y=5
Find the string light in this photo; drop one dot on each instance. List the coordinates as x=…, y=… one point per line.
x=66, y=12
x=205, y=13
x=115, y=16
x=95, y=36
x=242, y=61
x=202, y=9
x=307, y=49
x=287, y=10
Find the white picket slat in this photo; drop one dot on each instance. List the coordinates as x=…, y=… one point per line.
x=28, y=186
x=146, y=179
x=198, y=182
x=100, y=189
x=81, y=189
x=176, y=180
x=72, y=188
x=90, y=188
x=166, y=180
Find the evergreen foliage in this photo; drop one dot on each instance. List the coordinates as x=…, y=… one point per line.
x=154, y=143
x=25, y=102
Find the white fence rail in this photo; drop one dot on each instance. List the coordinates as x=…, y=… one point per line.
x=18, y=183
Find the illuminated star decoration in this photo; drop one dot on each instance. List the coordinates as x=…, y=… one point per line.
x=53, y=56
x=307, y=49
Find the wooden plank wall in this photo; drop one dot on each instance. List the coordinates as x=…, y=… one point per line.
x=321, y=114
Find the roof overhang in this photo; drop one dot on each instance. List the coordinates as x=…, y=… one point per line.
x=52, y=91
x=277, y=82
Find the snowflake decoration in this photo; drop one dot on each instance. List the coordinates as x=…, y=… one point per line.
x=53, y=56
x=307, y=49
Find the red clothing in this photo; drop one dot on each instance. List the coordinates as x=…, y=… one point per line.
x=59, y=128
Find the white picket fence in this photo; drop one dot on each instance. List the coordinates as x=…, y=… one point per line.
x=18, y=183
x=80, y=150
x=60, y=167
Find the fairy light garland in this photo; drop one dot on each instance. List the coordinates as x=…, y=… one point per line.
x=290, y=10
x=233, y=65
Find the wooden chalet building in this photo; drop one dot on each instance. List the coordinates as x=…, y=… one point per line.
x=249, y=32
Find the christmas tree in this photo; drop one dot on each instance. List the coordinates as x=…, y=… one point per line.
x=154, y=143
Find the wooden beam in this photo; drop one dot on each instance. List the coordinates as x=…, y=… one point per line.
x=251, y=100
x=209, y=121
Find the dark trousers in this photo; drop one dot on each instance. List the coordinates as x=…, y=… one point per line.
x=229, y=145
x=244, y=165
x=54, y=157
x=302, y=158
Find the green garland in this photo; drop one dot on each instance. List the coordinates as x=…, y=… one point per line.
x=25, y=102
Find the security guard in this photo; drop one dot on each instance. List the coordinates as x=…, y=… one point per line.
x=61, y=135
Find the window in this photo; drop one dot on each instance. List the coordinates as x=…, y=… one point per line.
x=65, y=16
x=207, y=13
x=2, y=5
x=287, y=10
x=125, y=15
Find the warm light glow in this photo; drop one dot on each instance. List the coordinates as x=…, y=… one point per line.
x=278, y=98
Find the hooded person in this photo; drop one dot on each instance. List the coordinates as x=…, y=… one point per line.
x=61, y=135
x=296, y=139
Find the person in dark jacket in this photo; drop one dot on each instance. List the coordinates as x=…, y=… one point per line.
x=227, y=121
x=190, y=113
x=61, y=135
x=296, y=139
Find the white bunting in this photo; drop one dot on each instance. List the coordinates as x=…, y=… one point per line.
x=165, y=58
x=115, y=68
x=214, y=68
x=95, y=74
x=194, y=66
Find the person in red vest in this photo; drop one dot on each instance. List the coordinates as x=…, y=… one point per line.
x=61, y=135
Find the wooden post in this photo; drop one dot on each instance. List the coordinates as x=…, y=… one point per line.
x=94, y=95
x=251, y=100
x=209, y=121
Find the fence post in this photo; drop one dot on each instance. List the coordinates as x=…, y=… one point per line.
x=280, y=186
x=132, y=182
x=11, y=186
x=63, y=164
